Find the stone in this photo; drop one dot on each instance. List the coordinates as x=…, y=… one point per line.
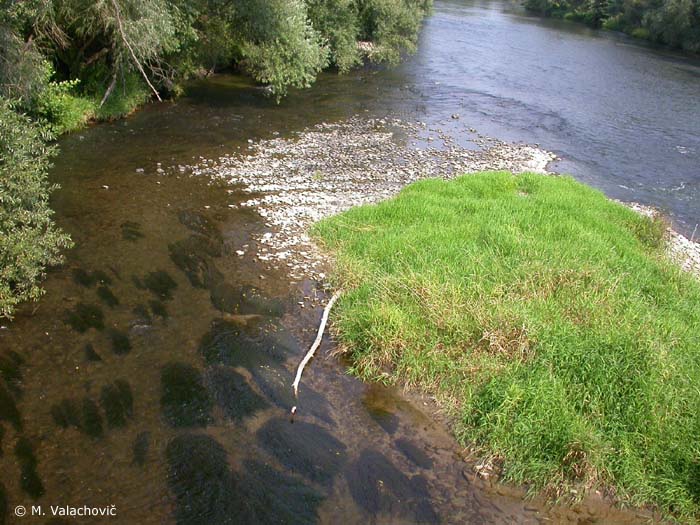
x=231, y=391
x=107, y=297
x=414, y=454
x=304, y=448
x=85, y=316
x=184, y=400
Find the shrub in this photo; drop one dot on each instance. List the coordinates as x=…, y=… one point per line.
x=62, y=109
x=29, y=239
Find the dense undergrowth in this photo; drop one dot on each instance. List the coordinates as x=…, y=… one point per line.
x=546, y=319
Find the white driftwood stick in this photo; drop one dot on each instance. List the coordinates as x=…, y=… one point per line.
x=317, y=343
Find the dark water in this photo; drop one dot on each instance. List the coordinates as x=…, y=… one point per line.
x=155, y=374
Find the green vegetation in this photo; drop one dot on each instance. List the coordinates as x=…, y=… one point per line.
x=546, y=319
x=28, y=238
x=66, y=62
x=672, y=22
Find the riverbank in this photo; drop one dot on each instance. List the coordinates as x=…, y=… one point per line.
x=547, y=321
x=329, y=168
x=334, y=167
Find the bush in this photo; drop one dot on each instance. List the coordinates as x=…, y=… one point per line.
x=62, y=109
x=29, y=240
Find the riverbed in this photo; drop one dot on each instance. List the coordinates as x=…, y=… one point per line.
x=155, y=375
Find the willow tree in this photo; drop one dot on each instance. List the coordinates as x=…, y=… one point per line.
x=107, y=38
x=29, y=240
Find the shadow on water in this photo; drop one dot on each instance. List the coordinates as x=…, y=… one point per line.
x=155, y=374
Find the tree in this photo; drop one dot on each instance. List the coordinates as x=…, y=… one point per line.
x=29, y=240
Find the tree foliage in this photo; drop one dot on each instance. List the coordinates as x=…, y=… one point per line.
x=280, y=43
x=672, y=22
x=63, y=62
x=29, y=240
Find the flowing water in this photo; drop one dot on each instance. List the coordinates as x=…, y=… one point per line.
x=155, y=374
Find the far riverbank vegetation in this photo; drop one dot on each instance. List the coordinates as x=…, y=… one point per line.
x=675, y=23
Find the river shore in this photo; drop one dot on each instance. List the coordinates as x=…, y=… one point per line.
x=331, y=167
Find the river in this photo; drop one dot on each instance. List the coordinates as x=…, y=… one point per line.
x=155, y=374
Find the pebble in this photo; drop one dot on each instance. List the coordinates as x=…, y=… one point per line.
x=331, y=167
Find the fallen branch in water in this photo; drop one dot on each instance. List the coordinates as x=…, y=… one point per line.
x=312, y=350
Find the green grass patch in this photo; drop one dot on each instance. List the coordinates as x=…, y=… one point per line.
x=130, y=93
x=546, y=319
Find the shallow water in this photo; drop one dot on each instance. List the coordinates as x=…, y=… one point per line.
x=155, y=374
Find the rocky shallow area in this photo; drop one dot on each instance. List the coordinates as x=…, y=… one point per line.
x=685, y=252
x=331, y=167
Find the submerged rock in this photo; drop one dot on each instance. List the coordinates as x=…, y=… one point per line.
x=118, y=403
x=29, y=478
x=377, y=486
x=140, y=448
x=184, y=400
x=306, y=449
x=414, y=454
x=232, y=392
x=206, y=490
x=85, y=316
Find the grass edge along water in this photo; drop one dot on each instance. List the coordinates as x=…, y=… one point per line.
x=546, y=319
